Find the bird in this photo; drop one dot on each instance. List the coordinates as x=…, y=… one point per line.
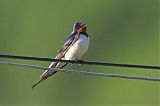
x=74, y=48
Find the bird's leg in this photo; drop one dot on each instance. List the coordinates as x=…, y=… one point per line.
x=72, y=62
x=80, y=62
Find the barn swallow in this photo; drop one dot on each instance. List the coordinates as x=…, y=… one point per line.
x=73, y=49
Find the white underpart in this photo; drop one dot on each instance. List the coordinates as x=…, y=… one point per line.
x=78, y=49
x=75, y=52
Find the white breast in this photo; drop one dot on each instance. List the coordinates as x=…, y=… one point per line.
x=78, y=49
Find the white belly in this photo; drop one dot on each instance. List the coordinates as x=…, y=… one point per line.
x=78, y=49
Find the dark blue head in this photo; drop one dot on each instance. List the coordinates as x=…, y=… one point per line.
x=79, y=26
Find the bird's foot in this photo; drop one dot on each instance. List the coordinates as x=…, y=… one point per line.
x=80, y=62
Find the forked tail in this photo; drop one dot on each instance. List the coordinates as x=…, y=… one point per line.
x=47, y=75
x=42, y=79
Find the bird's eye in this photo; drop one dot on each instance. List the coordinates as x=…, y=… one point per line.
x=75, y=26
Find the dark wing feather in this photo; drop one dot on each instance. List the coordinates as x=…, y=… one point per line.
x=69, y=42
x=61, y=53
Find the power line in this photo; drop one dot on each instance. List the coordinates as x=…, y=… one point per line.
x=82, y=62
x=80, y=71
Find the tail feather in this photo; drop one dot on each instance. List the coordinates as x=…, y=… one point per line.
x=42, y=79
x=34, y=85
x=49, y=73
x=52, y=65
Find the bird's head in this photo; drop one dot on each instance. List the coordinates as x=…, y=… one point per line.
x=79, y=27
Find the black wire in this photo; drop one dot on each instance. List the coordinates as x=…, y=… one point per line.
x=82, y=62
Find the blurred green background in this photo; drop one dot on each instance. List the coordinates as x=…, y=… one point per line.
x=121, y=31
